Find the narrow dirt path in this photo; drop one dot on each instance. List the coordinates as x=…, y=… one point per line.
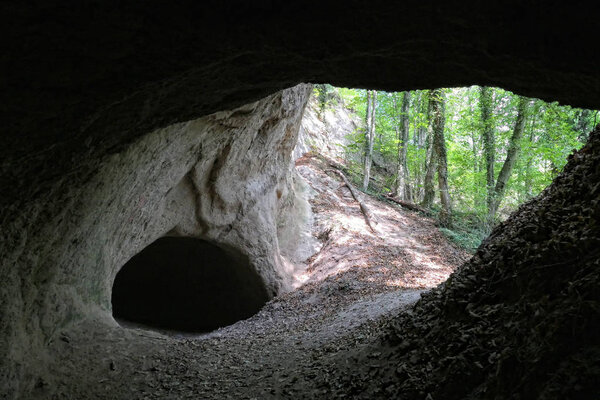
x=352, y=283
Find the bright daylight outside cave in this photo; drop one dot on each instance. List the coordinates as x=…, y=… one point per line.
x=272, y=200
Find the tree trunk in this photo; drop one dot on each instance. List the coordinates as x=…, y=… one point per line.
x=475, y=149
x=439, y=146
x=418, y=141
x=489, y=145
x=511, y=156
x=581, y=125
x=402, y=188
x=429, y=189
x=528, y=177
x=477, y=199
x=369, y=136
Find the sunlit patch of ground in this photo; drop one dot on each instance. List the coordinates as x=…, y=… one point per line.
x=405, y=250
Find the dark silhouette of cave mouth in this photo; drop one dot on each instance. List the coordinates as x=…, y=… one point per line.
x=188, y=285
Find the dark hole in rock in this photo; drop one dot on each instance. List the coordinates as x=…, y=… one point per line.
x=187, y=284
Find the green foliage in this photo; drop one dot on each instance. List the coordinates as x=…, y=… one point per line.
x=550, y=136
x=468, y=230
x=354, y=99
x=356, y=143
x=468, y=240
x=551, y=133
x=326, y=96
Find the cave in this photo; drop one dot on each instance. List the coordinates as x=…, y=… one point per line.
x=122, y=125
x=186, y=284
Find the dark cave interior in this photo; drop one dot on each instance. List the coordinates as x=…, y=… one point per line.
x=186, y=284
x=82, y=83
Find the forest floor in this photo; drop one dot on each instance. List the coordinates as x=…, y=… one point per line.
x=357, y=279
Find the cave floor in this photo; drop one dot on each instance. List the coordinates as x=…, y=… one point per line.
x=351, y=284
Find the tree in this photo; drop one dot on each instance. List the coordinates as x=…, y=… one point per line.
x=420, y=106
x=323, y=92
x=527, y=192
x=492, y=149
x=402, y=186
x=439, y=146
x=369, y=136
x=430, y=159
x=511, y=157
x=489, y=142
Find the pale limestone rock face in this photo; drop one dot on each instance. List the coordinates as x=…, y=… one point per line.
x=326, y=130
x=219, y=178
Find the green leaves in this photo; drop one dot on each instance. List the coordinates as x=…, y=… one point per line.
x=551, y=133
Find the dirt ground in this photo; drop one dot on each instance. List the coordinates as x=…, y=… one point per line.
x=357, y=279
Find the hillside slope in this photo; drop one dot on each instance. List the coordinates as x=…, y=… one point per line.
x=520, y=320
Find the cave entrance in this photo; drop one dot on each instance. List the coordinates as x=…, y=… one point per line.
x=187, y=284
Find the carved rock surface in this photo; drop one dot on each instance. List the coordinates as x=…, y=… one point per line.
x=218, y=178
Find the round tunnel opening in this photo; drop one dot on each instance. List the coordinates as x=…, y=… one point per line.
x=187, y=284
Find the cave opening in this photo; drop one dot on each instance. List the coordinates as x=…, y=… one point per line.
x=188, y=285
x=468, y=156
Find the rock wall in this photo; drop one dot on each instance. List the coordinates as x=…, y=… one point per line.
x=219, y=178
x=325, y=130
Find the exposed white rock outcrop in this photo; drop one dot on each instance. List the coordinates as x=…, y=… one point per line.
x=220, y=178
x=325, y=131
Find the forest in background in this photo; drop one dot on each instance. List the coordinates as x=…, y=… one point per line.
x=469, y=156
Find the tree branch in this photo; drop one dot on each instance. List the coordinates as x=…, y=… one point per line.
x=406, y=204
x=363, y=207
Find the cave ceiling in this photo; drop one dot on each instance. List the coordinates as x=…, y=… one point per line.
x=83, y=79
